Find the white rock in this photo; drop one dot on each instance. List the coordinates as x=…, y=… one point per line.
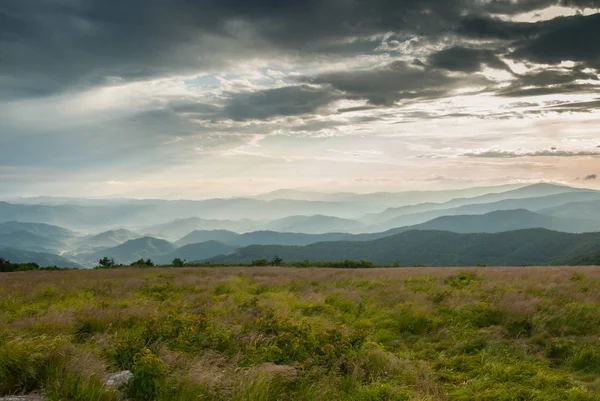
x=118, y=379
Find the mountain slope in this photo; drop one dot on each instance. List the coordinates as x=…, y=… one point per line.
x=506, y=220
x=261, y=238
x=31, y=242
x=130, y=251
x=194, y=252
x=176, y=229
x=589, y=210
x=534, y=246
x=107, y=239
x=42, y=259
x=39, y=229
x=318, y=224
x=197, y=236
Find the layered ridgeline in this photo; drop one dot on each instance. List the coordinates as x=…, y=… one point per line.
x=438, y=248
x=207, y=231
x=149, y=216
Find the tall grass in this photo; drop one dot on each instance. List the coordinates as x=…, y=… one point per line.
x=269, y=333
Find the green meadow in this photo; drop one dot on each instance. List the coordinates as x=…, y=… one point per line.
x=280, y=333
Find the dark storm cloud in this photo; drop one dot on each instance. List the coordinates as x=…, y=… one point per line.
x=560, y=39
x=60, y=44
x=285, y=101
x=485, y=27
x=466, y=59
x=393, y=82
x=564, y=39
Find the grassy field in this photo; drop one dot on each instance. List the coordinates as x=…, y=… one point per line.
x=530, y=333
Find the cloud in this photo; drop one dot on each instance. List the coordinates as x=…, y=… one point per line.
x=503, y=154
x=57, y=45
x=590, y=177
x=285, y=101
x=577, y=106
x=564, y=39
x=115, y=88
x=466, y=59
x=395, y=81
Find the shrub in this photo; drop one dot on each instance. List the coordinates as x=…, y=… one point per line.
x=260, y=262
x=149, y=376
x=126, y=347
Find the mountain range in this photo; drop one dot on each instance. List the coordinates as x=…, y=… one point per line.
x=216, y=229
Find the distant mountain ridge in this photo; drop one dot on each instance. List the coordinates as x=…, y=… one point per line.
x=437, y=248
x=532, y=204
x=316, y=224
x=530, y=191
x=96, y=215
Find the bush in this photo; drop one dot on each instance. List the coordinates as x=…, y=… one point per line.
x=7, y=267
x=260, y=262
x=149, y=376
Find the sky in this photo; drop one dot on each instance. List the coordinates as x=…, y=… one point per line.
x=214, y=98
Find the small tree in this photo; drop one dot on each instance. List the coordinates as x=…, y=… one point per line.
x=177, y=262
x=106, y=262
x=276, y=261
